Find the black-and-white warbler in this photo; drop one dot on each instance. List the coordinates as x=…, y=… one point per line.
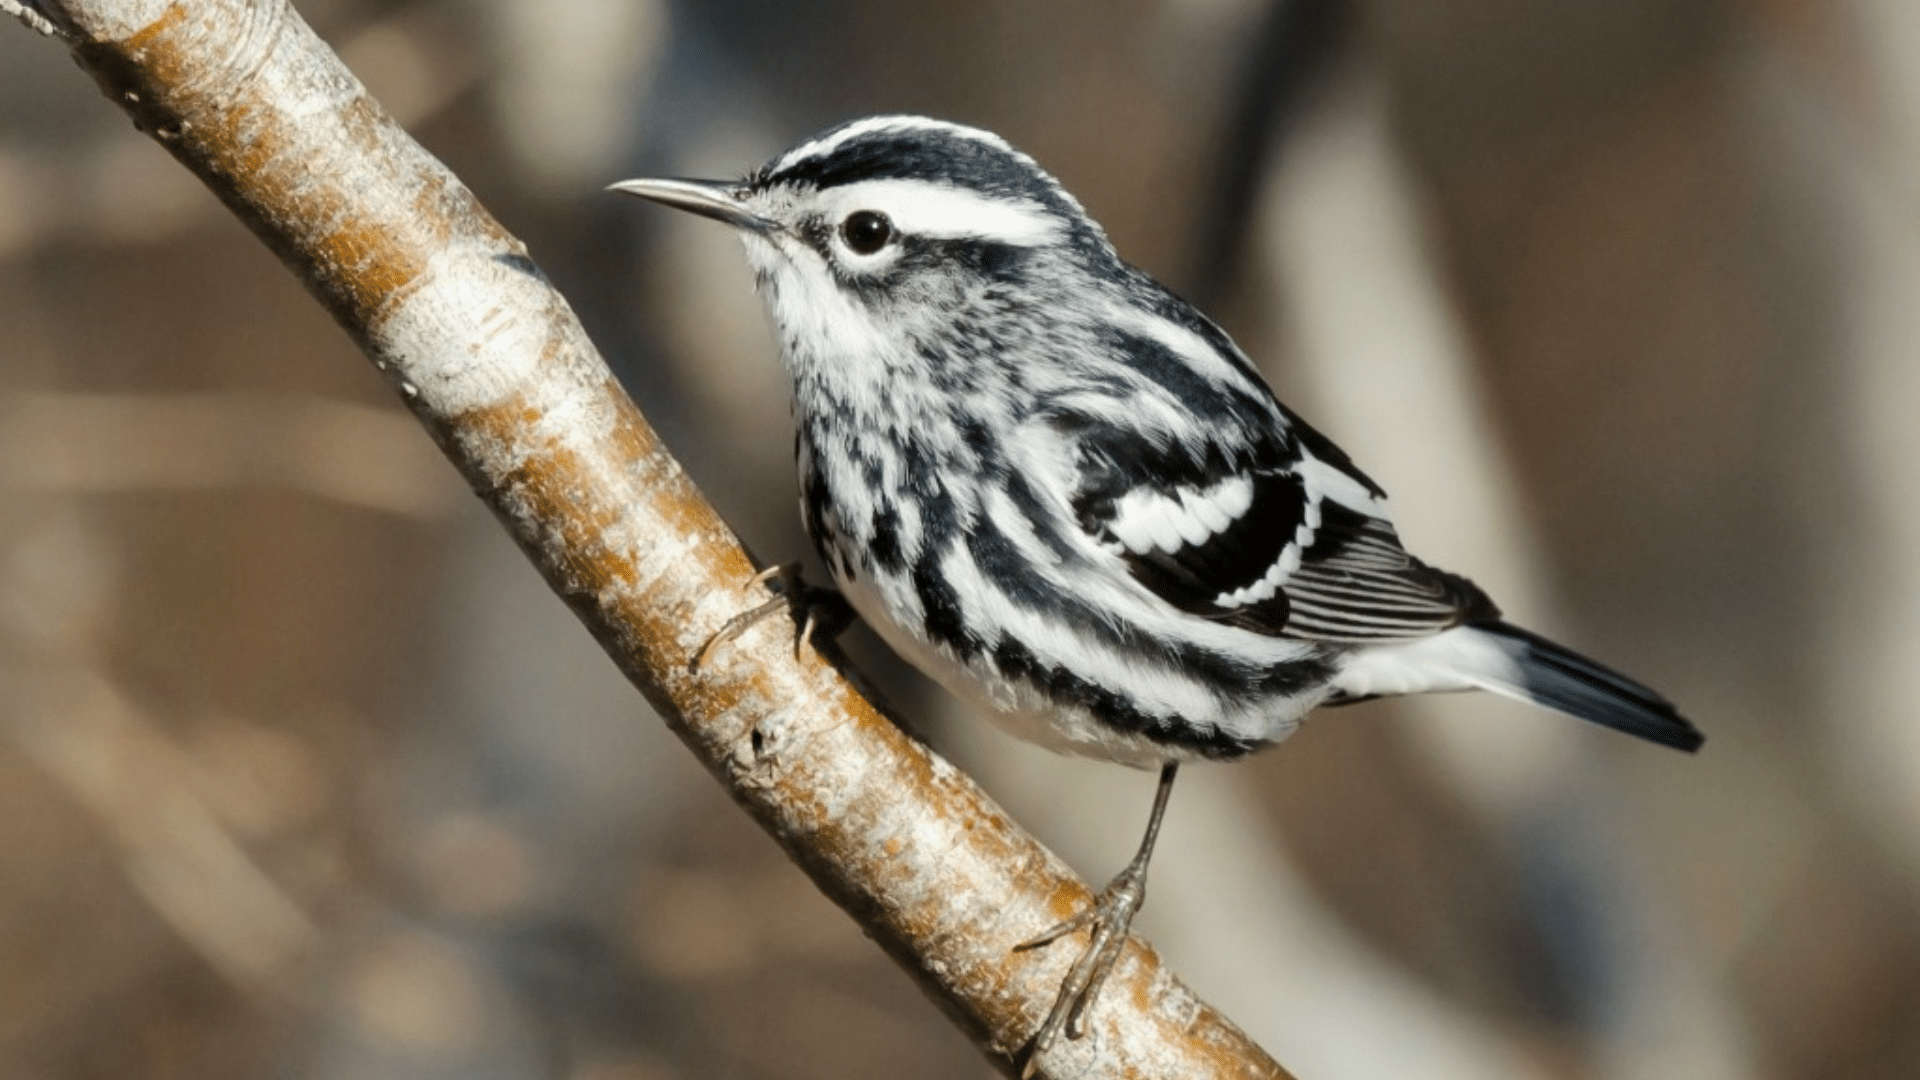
x=1067, y=496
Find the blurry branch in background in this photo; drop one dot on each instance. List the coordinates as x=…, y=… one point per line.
x=28, y=12
x=163, y=814
x=1294, y=46
x=493, y=363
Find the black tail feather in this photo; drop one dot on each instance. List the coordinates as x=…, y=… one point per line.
x=1559, y=678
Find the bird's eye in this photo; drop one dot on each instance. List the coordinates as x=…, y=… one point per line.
x=866, y=231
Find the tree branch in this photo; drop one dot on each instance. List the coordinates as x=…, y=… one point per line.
x=491, y=360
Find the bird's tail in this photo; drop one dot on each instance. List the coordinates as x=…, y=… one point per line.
x=1494, y=656
x=1559, y=678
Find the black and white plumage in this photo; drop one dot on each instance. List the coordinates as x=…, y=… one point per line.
x=1066, y=494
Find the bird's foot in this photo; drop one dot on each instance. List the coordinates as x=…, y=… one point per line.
x=1110, y=916
x=817, y=610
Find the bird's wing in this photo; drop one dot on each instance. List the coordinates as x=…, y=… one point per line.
x=1279, y=535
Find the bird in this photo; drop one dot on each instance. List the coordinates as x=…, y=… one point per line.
x=1067, y=496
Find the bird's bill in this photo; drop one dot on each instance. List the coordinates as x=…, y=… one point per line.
x=717, y=199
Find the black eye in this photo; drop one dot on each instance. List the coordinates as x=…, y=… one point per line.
x=866, y=231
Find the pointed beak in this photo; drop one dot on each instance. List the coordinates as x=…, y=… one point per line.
x=717, y=199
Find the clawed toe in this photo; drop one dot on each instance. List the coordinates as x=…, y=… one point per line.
x=818, y=609
x=736, y=626
x=1109, y=918
x=1059, y=930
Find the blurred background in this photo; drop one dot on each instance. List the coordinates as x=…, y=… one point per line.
x=304, y=773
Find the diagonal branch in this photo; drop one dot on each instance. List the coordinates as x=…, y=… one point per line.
x=491, y=360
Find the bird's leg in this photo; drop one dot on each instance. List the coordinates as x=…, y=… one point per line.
x=817, y=607
x=1110, y=916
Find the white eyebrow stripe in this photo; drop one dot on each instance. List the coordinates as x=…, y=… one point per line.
x=924, y=208
x=826, y=145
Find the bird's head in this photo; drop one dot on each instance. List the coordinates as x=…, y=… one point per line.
x=892, y=233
